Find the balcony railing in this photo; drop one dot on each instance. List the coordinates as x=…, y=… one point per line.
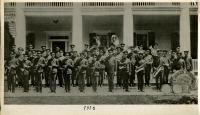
x=97, y=4
x=48, y=4
x=156, y=4
x=102, y=4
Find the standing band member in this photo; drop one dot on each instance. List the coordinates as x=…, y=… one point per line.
x=124, y=67
x=60, y=67
x=11, y=72
x=110, y=69
x=68, y=65
x=53, y=65
x=82, y=73
x=165, y=62
x=158, y=74
x=40, y=72
x=188, y=61
x=140, y=71
x=26, y=68
x=148, y=66
x=133, y=59
x=95, y=73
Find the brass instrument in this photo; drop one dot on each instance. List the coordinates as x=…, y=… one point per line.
x=158, y=69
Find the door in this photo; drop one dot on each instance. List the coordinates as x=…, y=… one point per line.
x=60, y=44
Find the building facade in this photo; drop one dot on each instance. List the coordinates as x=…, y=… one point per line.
x=170, y=24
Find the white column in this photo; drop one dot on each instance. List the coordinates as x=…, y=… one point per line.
x=77, y=38
x=20, y=40
x=185, y=28
x=128, y=25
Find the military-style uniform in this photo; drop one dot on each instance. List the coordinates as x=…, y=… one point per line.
x=110, y=69
x=148, y=66
x=188, y=63
x=133, y=59
x=53, y=65
x=124, y=67
x=82, y=74
x=95, y=74
x=68, y=65
x=19, y=72
x=11, y=77
x=40, y=73
x=89, y=71
x=60, y=70
x=26, y=68
x=140, y=73
x=165, y=62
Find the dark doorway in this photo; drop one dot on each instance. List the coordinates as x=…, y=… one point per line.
x=60, y=44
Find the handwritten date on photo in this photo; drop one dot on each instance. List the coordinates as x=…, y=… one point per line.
x=88, y=108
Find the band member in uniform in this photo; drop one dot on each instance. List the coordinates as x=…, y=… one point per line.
x=110, y=69
x=11, y=72
x=60, y=68
x=133, y=59
x=118, y=58
x=95, y=73
x=89, y=69
x=75, y=73
x=26, y=68
x=188, y=61
x=13, y=49
x=20, y=58
x=40, y=71
x=72, y=48
x=140, y=71
x=180, y=62
x=53, y=66
x=43, y=51
x=165, y=62
x=102, y=68
x=57, y=52
x=148, y=67
x=158, y=73
x=154, y=52
x=82, y=72
x=122, y=46
x=124, y=67
x=173, y=61
x=47, y=71
x=68, y=65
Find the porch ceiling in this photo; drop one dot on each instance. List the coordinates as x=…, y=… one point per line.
x=48, y=21
x=155, y=20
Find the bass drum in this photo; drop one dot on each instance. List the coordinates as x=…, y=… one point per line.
x=177, y=88
x=166, y=88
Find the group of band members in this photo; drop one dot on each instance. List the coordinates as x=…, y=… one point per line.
x=92, y=66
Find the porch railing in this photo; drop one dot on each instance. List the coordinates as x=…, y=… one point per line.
x=195, y=65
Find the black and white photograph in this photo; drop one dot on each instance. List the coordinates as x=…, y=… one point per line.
x=100, y=53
